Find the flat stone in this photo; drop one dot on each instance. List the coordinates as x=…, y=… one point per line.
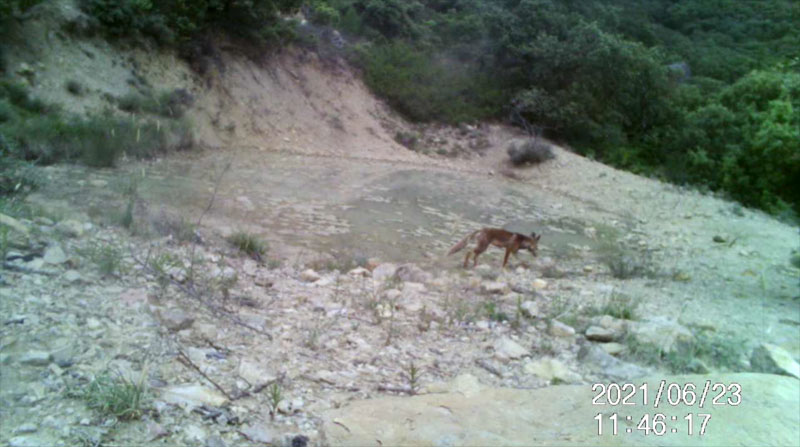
x=659, y=331
x=70, y=228
x=26, y=428
x=36, y=358
x=191, y=395
x=384, y=272
x=563, y=415
x=539, y=284
x=506, y=349
x=596, y=333
x=309, y=276
x=412, y=273
x=613, y=348
x=55, y=255
x=359, y=272
x=258, y=433
x=559, y=329
x=72, y=276
x=176, y=319
x=773, y=359
x=495, y=287
x=549, y=369
x=599, y=361
x=255, y=373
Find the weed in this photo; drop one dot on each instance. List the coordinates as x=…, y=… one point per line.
x=490, y=307
x=411, y=377
x=623, y=266
x=161, y=265
x=107, y=258
x=274, y=397
x=114, y=395
x=533, y=151
x=249, y=244
x=618, y=306
x=704, y=348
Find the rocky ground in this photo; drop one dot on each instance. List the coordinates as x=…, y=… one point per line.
x=353, y=328
x=237, y=351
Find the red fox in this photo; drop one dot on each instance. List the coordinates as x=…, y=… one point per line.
x=499, y=238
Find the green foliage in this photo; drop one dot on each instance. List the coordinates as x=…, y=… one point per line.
x=10, y=7
x=428, y=88
x=174, y=21
x=249, y=244
x=114, y=395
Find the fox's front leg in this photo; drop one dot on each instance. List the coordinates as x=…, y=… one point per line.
x=505, y=260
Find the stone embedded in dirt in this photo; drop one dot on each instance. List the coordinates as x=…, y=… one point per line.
x=191, y=395
x=155, y=431
x=310, y=275
x=598, y=360
x=559, y=329
x=176, y=319
x=215, y=441
x=530, y=309
x=55, y=255
x=613, y=348
x=359, y=272
x=659, y=331
x=464, y=384
x=616, y=325
x=254, y=373
x=26, y=441
x=384, y=272
x=258, y=433
x=36, y=358
x=773, y=359
x=549, y=369
x=495, y=287
x=506, y=349
x=14, y=224
x=596, y=333
x=194, y=433
x=26, y=428
x=539, y=284
x=70, y=228
x=72, y=276
x=412, y=273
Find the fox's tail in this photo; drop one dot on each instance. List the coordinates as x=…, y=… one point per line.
x=460, y=246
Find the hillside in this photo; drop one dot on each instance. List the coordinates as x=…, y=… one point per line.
x=282, y=280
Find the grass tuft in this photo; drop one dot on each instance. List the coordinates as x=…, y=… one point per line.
x=114, y=395
x=249, y=244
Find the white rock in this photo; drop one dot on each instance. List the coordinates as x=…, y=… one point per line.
x=194, y=433
x=258, y=433
x=70, y=228
x=176, y=319
x=506, y=349
x=254, y=373
x=384, y=272
x=191, y=395
x=659, y=331
x=539, y=284
x=559, y=329
x=596, y=333
x=36, y=358
x=54, y=255
x=72, y=276
x=309, y=276
x=495, y=287
x=773, y=359
x=359, y=272
x=613, y=348
x=549, y=369
x=530, y=309
x=26, y=428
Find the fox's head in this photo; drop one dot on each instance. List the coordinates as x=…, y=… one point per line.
x=532, y=243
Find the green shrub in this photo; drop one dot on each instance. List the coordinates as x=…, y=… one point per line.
x=114, y=395
x=533, y=151
x=249, y=244
x=74, y=87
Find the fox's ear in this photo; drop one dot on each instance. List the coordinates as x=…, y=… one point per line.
x=533, y=235
x=538, y=237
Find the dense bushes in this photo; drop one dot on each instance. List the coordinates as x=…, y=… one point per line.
x=176, y=21
x=692, y=91
x=34, y=131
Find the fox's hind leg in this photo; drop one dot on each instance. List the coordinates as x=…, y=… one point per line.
x=466, y=258
x=482, y=246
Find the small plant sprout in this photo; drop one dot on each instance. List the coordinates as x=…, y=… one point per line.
x=274, y=397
